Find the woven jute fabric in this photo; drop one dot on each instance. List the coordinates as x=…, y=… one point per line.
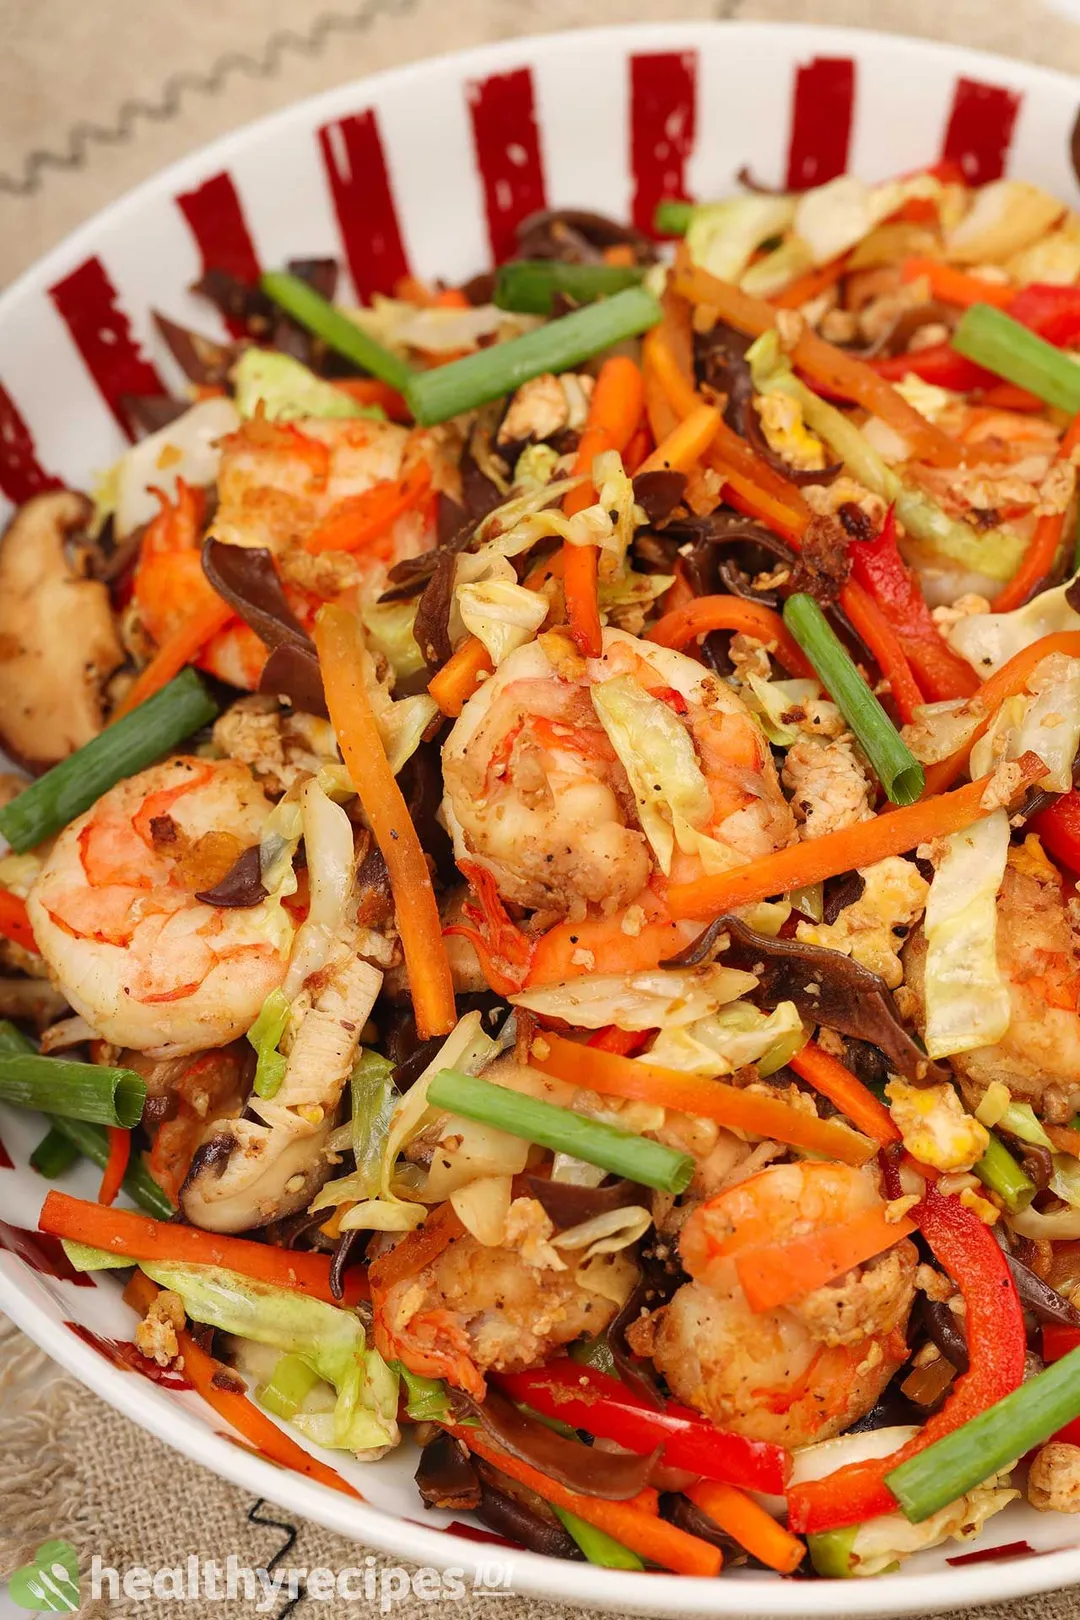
x=95, y=95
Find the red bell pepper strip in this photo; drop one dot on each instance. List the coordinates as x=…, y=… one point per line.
x=1052, y=312
x=607, y=1409
x=996, y=1347
x=879, y=568
x=116, y=1165
x=1059, y=828
x=1058, y=1340
x=15, y=921
x=939, y=364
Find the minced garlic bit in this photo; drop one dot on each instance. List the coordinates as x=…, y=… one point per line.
x=980, y=1206
x=899, y=1207
x=935, y=1128
x=156, y=1334
x=1002, y=786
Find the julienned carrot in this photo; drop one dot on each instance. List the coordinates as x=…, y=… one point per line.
x=614, y=412
x=776, y=1272
x=811, y=285
x=638, y=1080
x=115, y=1165
x=707, y=613
x=373, y=391
x=213, y=1382
x=175, y=652
x=1006, y=682
x=1045, y=542
x=868, y=621
x=747, y=496
x=868, y=841
x=459, y=677
x=15, y=920
x=955, y=286
x=747, y=1522
x=855, y=1101
x=643, y=1532
x=125, y=1231
x=339, y=642
x=416, y=1250
x=686, y=444
x=358, y=520
x=836, y=371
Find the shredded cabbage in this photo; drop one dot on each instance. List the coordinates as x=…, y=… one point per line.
x=328, y=843
x=723, y=236
x=967, y=999
x=728, y=1040
x=482, y=1206
x=189, y=448
x=285, y=389
x=466, y=1048
x=605, y=1234
x=997, y=554
x=833, y=217
x=264, y=1035
x=988, y=640
x=388, y=627
x=1047, y=723
x=939, y=729
x=401, y=325
x=502, y=615
x=777, y=270
x=1006, y=216
x=401, y=723
x=770, y=701
x=328, y=1340
x=665, y=998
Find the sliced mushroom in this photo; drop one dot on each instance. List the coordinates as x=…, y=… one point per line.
x=58, y=640
x=248, y=1172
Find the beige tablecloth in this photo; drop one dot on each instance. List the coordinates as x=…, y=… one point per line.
x=94, y=96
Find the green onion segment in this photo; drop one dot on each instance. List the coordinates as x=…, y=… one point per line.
x=319, y=316
x=529, y=286
x=1000, y=1172
x=895, y=766
x=54, y=1154
x=560, y=1129
x=129, y=745
x=672, y=218
x=994, y=340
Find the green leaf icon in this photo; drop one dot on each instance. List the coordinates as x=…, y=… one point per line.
x=50, y=1582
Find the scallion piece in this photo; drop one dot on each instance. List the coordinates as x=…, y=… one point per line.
x=529, y=285
x=139, y=1184
x=288, y=1387
x=895, y=766
x=132, y=743
x=994, y=340
x=54, y=1154
x=597, y=1545
x=988, y=1443
x=998, y=1170
x=560, y=1129
x=446, y=391
x=319, y=316
x=672, y=218
x=89, y=1091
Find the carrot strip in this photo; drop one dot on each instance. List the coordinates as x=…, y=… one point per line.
x=955, y=286
x=416, y=1250
x=658, y=353
x=637, y=1079
x=861, y=845
x=833, y=1080
x=637, y=451
x=213, y=1381
x=747, y=496
x=15, y=920
x=636, y=1527
x=614, y=412
x=811, y=285
x=776, y=1272
x=1006, y=682
x=707, y=613
x=686, y=444
x=125, y=1231
x=116, y=1164
x=1045, y=542
x=459, y=677
x=868, y=621
x=175, y=652
x=373, y=391
x=359, y=519
x=834, y=370
x=339, y=643
x=747, y=1522
x=1007, y=397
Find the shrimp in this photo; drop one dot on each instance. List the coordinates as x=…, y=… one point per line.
x=475, y=1309
x=1038, y=1057
x=116, y=916
x=800, y=1372
x=536, y=792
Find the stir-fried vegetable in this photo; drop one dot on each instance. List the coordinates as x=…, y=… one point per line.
x=530, y=286
x=300, y=300
x=86, y=1091
x=997, y=341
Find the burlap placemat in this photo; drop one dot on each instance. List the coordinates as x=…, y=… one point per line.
x=94, y=96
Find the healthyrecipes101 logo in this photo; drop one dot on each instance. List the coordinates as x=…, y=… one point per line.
x=50, y=1582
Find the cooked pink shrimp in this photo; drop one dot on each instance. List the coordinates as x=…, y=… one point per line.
x=801, y=1372
x=538, y=793
x=115, y=913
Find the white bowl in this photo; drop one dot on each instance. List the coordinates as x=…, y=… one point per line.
x=389, y=171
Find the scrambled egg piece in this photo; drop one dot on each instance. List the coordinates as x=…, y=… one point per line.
x=787, y=433
x=934, y=1126
x=873, y=928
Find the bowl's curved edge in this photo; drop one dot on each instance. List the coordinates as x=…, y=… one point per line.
x=576, y=1584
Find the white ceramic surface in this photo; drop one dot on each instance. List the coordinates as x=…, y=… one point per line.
x=720, y=96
